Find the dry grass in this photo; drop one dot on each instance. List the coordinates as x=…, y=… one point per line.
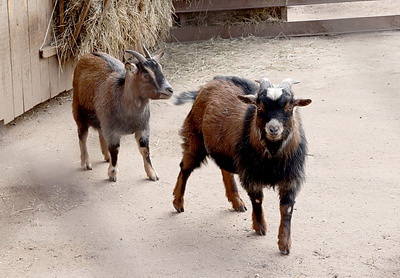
x=122, y=24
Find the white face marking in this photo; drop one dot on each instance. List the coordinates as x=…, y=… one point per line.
x=274, y=93
x=152, y=74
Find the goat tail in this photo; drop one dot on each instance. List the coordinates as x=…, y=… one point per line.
x=187, y=96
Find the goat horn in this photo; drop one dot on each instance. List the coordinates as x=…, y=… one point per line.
x=288, y=83
x=264, y=83
x=148, y=55
x=137, y=55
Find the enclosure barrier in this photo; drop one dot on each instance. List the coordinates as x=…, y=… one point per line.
x=273, y=29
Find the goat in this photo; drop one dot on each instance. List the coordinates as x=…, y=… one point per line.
x=249, y=130
x=114, y=99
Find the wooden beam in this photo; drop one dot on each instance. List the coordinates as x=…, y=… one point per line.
x=316, y=2
x=218, y=5
x=47, y=51
x=288, y=29
x=61, y=11
x=81, y=20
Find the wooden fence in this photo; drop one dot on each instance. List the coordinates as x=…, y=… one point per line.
x=26, y=79
x=273, y=29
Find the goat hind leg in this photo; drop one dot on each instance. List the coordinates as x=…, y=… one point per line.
x=179, y=190
x=193, y=155
x=232, y=191
x=83, y=131
x=103, y=146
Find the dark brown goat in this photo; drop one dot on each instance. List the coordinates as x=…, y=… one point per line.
x=114, y=99
x=263, y=143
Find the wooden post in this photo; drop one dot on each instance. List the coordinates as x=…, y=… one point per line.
x=82, y=16
x=61, y=10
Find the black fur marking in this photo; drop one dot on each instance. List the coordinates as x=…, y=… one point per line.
x=113, y=64
x=88, y=117
x=224, y=162
x=120, y=81
x=258, y=169
x=113, y=149
x=144, y=142
x=249, y=87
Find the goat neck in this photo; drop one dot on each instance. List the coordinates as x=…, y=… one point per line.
x=131, y=96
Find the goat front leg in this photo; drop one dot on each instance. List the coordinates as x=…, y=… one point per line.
x=259, y=224
x=287, y=200
x=232, y=192
x=142, y=139
x=113, y=148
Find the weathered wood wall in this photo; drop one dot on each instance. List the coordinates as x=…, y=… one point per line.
x=26, y=79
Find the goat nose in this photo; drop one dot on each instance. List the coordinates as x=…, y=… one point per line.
x=169, y=89
x=273, y=129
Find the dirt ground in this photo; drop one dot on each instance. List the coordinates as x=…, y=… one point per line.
x=60, y=221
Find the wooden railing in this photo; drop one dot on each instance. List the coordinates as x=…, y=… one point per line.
x=283, y=27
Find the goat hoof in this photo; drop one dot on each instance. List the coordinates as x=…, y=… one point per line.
x=261, y=229
x=112, y=174
x=285, y=252
x=241, y=208
x=178, y=205
x=153, y=177
x=284, y=246
x=88, y=166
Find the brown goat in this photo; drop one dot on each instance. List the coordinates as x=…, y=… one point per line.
x=114, y=99
x=263, y=143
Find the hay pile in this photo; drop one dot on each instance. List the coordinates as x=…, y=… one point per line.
x=112, y=26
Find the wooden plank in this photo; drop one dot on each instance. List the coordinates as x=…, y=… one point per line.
x=316, y=2
x=6, y=89
x=18, y=40
x=48, y=51
x=54, y=71
x=25, y=55
x=44, y=63
x=218, y=5
x=287, y=29
x=34, y=44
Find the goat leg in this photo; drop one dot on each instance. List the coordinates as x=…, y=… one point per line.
x=232, y=191
x=83, y=134
x=112, y=168
x=103, y=145
x=142, y=139
x=287, y=200
x=179, y=190
x=259, y=224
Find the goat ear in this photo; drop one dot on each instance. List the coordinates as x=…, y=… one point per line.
x=302, y=102
x=131, y=67
x=248, y=99
x=158, y=56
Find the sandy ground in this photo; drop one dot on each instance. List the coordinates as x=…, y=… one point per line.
x=60, y=221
